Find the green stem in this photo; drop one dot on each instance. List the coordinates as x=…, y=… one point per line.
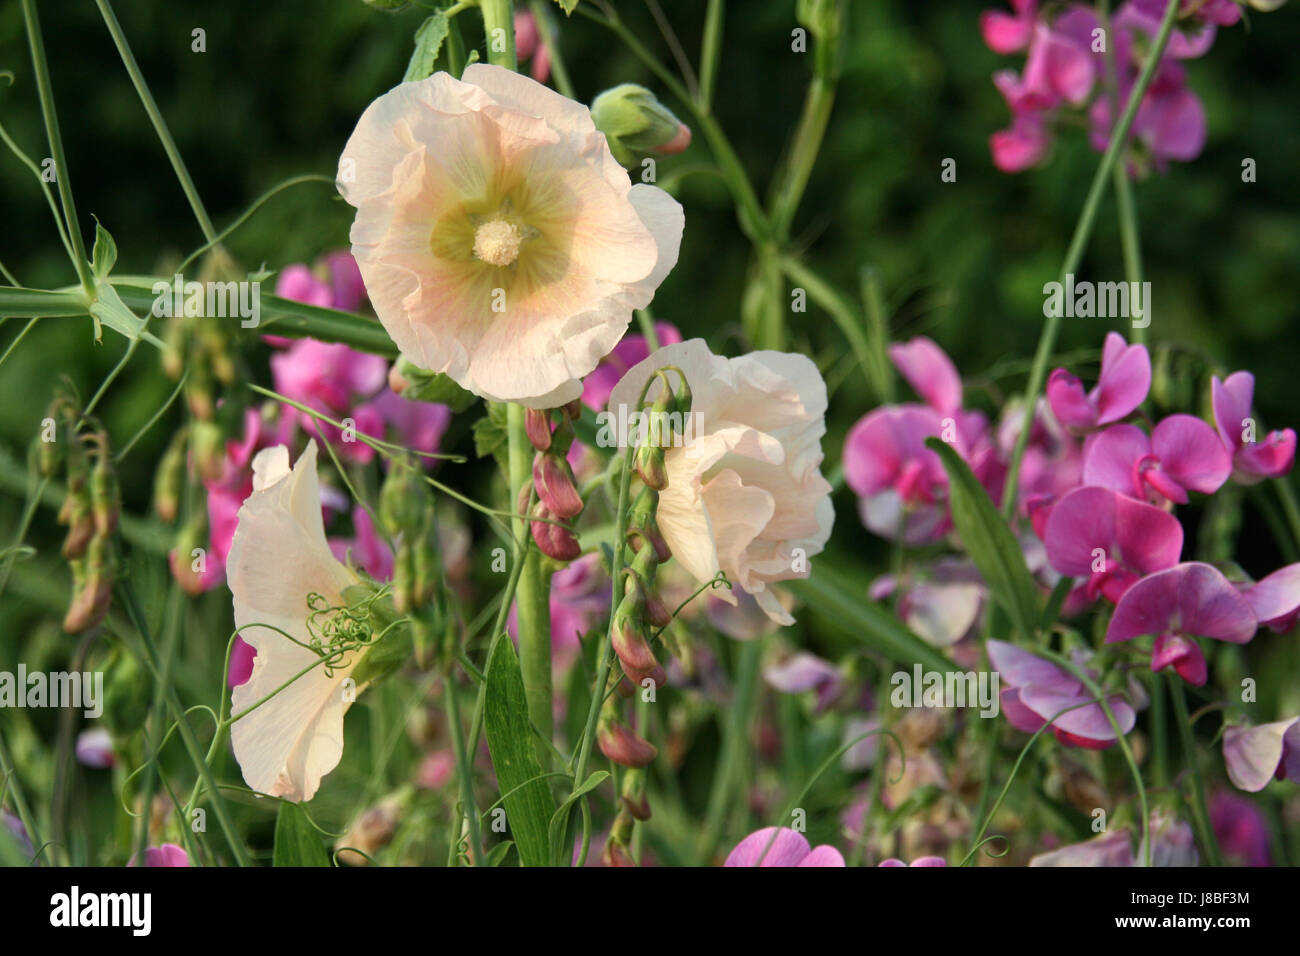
x=1199, y=809
x=1074, y=254
x=752, y=220
x=550, y=43
x=735, y=742
x=183, y=727
x=710, y=52
x=533, y=593
x=155, y=117
x=464, y=769
x=499, y=15
x=9, y=773
x=803, y=154
x=50, y=115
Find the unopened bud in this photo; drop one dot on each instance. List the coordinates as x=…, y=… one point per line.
x=556, y=487
x=169, y=480
x=621, y=745
x=554, y=540
x=635, y=122
x=537, y=425
x=650, y=466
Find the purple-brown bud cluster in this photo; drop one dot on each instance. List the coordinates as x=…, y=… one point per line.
x=558, y=500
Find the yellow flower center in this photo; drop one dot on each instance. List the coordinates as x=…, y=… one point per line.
x=497, y=242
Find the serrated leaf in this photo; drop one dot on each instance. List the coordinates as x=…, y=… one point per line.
x=831, y=592
x=297, y=842
x=989, y=541
x=104, y=255
x=428, y=41
x=556, y=828
x=528, y=801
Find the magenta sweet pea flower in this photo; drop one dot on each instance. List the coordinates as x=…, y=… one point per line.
x=1122, y=386
x=1184, y=44
x=788, y=849
x=1177, y=605
x=919, y=861
x=1276, y=599
x=1252, y=460
x=365, y=549
x=900, y=484
x=631, y=350
x=1170, y=123
x=417, y=426
x=1241, y=830
x=1009, y=32
x=169, y=854
x=1255, y=755
x=333, y=380
x=242, y=655
x=1183, y=454
x=1036, y=691
x=930, y=372
x=335, y=283
x=1134, y=539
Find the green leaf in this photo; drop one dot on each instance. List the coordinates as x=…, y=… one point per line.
x=831, y=592
x=529, y=805
x=428, y=41
x=490, y=432
x=426, y=386
x=108, y=309
x=297, y=842
x=568, y=6
x=104, y=255
x=989, y=541
x=497, y=855
x=555, y=831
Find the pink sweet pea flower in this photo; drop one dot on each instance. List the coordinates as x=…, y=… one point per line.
x=1170, y=122
x=631, y=350
x=1135, y=539
x=1060, y=64
x=529, y=46
x=1252, y=460
x=1177, y=605
x=95, y=748
x=1035, y=691
x=1184, y=44
x=333, y=380
x=1122, y=386
x=919, y=861
x=169, y=854
x=1241, y=830
x=900, y=484
x=1022, y=146
x=1009, y=32
x=242, y=656
x=366, y=549
x=930, y=372
x=1183, y=454
x=417, y=426
x=788, y=849
x=1255, y=755
x=1276, y=599
x=802, y=671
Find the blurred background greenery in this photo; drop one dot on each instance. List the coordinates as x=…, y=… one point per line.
x=281, y=85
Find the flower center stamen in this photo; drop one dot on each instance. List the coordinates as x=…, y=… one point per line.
x=497, y=242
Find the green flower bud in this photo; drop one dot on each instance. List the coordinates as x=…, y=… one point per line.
x=635, y=122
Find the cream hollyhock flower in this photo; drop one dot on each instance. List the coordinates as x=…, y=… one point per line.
x=745, y=491
x=499, y=240
x=278, y=557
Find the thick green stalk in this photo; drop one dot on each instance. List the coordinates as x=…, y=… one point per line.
x=155, y=117
x=1200, y=811
x=1074, y=254
x=48, y=112
x=500, y=15
x=532, y=595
